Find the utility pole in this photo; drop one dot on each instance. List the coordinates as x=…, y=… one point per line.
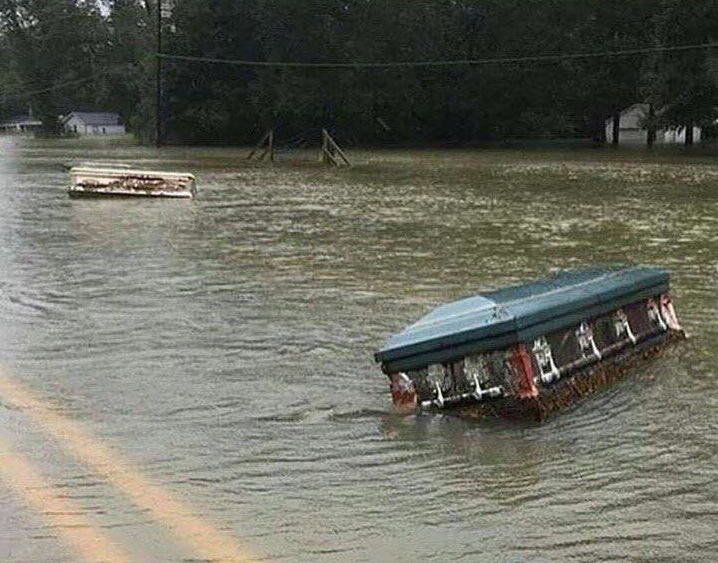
x=158, y=78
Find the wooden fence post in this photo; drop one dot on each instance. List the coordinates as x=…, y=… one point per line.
x=331, y=153
x=265, y=145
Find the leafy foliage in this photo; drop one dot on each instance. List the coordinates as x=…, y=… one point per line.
x=64, y=55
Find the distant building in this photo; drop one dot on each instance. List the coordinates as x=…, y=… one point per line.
x=93, y=123
x=20, y=124
x=632, y=131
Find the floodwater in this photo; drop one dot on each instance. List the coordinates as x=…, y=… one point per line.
x=193, y=380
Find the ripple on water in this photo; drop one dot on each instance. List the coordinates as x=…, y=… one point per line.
x=226, y=346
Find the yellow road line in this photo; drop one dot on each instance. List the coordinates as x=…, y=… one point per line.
x=63, y=515
x=204, y=539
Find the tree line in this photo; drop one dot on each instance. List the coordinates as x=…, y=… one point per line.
x=492, y=70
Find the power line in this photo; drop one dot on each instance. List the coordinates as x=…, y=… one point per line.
x=58, y=86
x=29, y=93
x=468, y=62
x=25, y=93
x=459, y=62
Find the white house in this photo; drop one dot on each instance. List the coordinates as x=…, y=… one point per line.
x=93, y=123
x=631, y=131
x=20, y=124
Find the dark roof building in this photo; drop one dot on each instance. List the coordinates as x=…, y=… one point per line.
x=20, y=124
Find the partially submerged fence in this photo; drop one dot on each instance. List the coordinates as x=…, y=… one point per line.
x=331, y=153
x=264, y=147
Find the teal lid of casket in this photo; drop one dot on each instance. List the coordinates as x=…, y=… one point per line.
x=520, y=313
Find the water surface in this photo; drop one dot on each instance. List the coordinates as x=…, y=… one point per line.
x=223, y=347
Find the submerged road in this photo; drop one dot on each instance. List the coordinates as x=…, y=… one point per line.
x=92, y=544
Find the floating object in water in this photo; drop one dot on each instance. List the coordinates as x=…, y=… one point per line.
x=530, y=349
x=121, y=182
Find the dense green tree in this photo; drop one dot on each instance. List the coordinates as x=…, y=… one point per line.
x=128, y=85
x=59, y=55
x=682, y=86
x=57, y=49
x=210, y=102
x=9, y=81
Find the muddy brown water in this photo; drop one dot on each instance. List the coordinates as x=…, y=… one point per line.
x=217, y=354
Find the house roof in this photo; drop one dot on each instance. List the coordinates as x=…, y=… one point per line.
x=641, y=107
x=21, y=120
x=97, y=119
